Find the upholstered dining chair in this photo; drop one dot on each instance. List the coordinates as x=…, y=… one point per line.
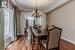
x=53, y=39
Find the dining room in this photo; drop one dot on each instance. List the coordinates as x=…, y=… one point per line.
x=36, y=34
x=37, y=25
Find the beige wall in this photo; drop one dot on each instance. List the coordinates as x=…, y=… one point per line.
x=64, y=17
x=18, y=13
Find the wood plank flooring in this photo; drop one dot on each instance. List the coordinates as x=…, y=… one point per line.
x=23, y=44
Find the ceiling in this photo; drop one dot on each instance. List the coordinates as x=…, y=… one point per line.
x=42, y=5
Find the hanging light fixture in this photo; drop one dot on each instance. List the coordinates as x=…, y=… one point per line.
x=36, y=12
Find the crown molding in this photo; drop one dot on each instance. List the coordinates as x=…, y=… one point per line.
x=57, y=5
x=60, y=3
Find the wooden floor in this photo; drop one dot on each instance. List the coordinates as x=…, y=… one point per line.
x=23, y=44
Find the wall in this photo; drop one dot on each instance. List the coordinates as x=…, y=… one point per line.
x=18, y=28
x=64, y=17
x=1, y=30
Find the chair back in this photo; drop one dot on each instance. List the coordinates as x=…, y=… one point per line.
x=54, y=35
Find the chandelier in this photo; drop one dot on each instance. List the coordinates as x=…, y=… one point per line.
x=36, y=12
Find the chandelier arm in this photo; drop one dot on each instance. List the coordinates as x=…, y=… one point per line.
x=36, y=13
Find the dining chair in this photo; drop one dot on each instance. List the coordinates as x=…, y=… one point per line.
x=53, y=39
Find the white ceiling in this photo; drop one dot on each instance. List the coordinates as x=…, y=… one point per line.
x=43, y=5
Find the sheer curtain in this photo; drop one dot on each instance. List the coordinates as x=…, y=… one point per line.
x=26, y=16
x=9, y=25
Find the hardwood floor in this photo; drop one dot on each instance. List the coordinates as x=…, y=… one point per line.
x=23, y=44
x=65, y=45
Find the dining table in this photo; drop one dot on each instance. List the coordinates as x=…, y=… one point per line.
x=39, y=35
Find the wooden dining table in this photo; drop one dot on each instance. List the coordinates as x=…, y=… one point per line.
x=36, y=33
x=39, y=36
x=39, y=33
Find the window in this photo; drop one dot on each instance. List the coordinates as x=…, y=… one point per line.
x=6, y=24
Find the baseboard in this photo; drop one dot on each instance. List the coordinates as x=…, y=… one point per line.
x=66, y=45
x=68, y=40
x=9, y=44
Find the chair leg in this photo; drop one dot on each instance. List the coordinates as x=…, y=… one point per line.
x=58, y=48
x=32, y=44
x=40, y=47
